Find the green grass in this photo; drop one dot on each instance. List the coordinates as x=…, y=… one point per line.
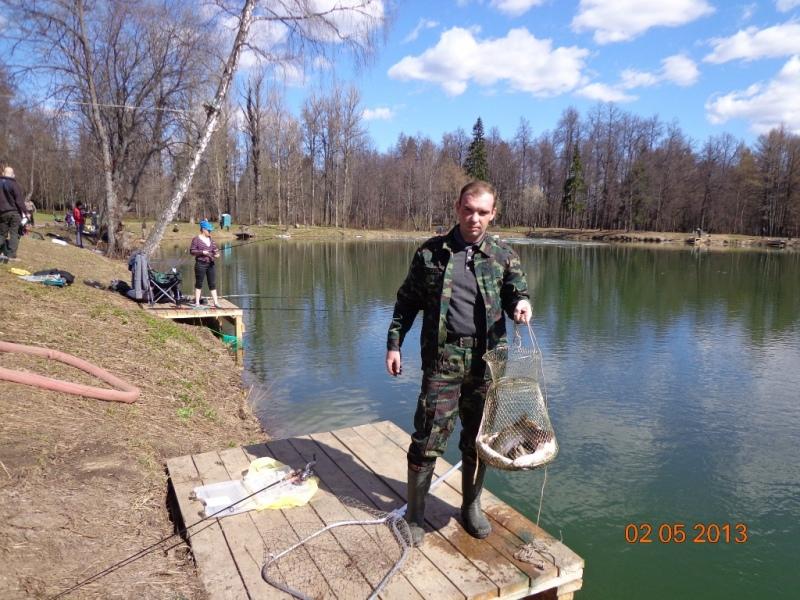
x=101, y=311
x=163, y=330
x=192, y=405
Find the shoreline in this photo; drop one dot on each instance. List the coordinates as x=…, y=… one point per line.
x=183, y=232
x=609, y=236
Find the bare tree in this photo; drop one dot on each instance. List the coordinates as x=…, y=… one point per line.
x=125, y=66
x=308, y=29
x=253, y=128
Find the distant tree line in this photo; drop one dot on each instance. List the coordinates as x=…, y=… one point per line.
x=607, y=169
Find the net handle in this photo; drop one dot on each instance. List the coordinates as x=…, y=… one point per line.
x=518, y=336
x=536, y=348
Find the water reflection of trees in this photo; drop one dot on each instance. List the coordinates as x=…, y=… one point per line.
x=330, y=293
x=601, y=289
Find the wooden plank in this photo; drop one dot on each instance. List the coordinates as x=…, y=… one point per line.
x=238, y=326
x=569, y=588
x=484, y=554
x=366, y=463
x=246, y=546
x=370, y=489
x=329, y=556
x=215, y=564
x=553, y=551
x=244, y=539
x=277, y=532
x=377, y=548
x=472, y=582
x=170, y=311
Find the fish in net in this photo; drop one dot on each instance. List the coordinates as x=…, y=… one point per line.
x=516, y=432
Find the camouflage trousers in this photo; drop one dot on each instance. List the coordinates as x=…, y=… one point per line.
x=457, y=386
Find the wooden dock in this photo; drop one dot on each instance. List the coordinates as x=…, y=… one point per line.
x=367, y=463
x=228, y=312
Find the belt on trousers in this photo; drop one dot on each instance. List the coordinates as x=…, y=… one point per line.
x=464, y=341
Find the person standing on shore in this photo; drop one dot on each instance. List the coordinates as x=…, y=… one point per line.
x=12, y=214
x=205, y=252
x=30, y=210
x=463, y=282
x=80, y=220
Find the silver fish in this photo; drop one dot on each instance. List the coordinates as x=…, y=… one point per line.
x=520, y=438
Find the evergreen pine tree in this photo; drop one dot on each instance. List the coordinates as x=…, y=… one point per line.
x=476, y=165
x=574, y=188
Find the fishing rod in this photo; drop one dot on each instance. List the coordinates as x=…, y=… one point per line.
x=279, y=308
x=253, y=296
x=199, y=311
x=293, y=476
x=244, y=243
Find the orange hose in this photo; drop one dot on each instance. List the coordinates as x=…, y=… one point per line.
x=126, y=393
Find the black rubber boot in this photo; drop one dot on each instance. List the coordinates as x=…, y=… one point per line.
x=475, y=522
x=419, y=482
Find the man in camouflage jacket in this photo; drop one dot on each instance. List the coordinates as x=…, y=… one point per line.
x=463, y=282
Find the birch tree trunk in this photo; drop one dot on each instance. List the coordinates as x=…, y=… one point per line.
x=212, y=119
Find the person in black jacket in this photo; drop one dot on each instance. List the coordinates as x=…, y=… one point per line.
x=12, y=214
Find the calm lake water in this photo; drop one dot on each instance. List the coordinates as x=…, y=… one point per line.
x=673, y=380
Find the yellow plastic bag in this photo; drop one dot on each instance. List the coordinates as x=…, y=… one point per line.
x=264, y=471
x=231, y=497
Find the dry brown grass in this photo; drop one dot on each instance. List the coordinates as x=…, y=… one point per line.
x=82, y=482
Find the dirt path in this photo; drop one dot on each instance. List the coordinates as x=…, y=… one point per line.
x=82, y=482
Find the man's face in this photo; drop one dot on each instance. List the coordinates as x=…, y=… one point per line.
x=474, y=215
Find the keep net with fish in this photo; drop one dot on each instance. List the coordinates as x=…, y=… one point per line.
x=516, y=432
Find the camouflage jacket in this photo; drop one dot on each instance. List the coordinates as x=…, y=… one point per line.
x=428, y=287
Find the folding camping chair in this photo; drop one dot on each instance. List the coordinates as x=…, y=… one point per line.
x=165, y=287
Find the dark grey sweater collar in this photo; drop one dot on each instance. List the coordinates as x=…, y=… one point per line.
x=460, y=243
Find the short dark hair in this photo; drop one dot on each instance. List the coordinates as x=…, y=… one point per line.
x=478, y=187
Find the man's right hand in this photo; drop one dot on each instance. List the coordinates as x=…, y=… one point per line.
x=394, y=364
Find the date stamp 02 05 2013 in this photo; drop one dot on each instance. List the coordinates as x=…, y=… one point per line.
x=680, y=533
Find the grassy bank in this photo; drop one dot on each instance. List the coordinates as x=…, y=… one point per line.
x=82, y=482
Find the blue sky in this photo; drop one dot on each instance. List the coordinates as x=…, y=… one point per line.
x=709, y=65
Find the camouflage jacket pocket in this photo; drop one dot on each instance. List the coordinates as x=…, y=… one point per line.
x=432, y=278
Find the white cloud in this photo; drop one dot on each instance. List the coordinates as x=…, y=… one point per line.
x=764, y=105
x=264, y=35
x=631, y=78
x=353, y=19
x=421, y=24
x=680, y=70
x=521, y=60
x=748, y=11
x=379, y=113
x=620, y=20
x=605, y=93
x=753, y=43
x=787, y=5
x=515, y=8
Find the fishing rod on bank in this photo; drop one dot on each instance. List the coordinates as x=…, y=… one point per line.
x=199, y=311
x=184, y=257
x=294, y=476
x=253, y=296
